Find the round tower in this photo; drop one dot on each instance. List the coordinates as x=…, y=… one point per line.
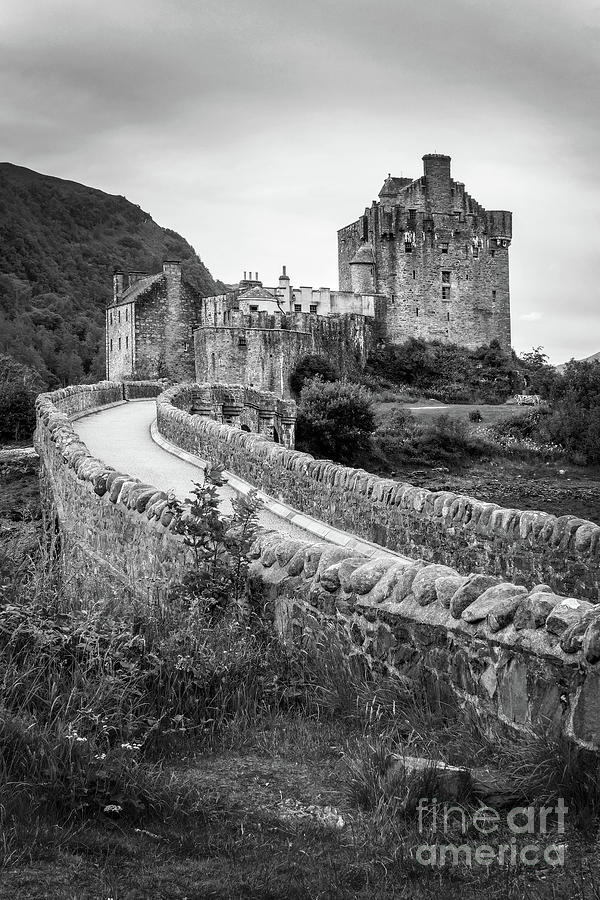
x=362, y=270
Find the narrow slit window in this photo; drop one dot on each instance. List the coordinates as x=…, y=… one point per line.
x=119, y=343
x=126, y=342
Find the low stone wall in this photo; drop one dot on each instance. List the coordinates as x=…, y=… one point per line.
x=526, y=658
x=241, y=406
x=524, y=546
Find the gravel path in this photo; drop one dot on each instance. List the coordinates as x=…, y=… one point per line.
x=120, y=437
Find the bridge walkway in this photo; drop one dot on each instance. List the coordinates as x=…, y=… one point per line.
x=122, y=436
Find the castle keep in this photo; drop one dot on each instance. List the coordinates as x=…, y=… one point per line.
x=425, y=260
x=439, y=257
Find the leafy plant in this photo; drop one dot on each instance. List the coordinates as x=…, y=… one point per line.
x=219, y=543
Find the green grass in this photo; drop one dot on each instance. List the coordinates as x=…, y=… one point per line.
x=151, y=756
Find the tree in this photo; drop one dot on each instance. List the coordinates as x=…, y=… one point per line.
x=335, y=419
x=307, y=367
x=540, y=377
x=19, y=386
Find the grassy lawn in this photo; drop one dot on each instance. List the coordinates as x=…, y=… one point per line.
x=431, y=409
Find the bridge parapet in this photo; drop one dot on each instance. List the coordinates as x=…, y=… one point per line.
x=525, y=546
x=525, y=656
x=241, y=406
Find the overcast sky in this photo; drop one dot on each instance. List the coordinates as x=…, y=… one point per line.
x=257, y=128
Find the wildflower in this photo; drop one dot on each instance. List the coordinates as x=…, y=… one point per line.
x=112, y=808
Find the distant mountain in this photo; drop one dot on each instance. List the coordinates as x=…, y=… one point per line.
x=594, y=356
x=59, y=244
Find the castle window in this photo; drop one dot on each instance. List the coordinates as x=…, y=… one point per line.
x=242, y=341
x=447, y=317
x=417, y=312
x=186, y=346
x=493, y=295
x=407, y=247
x=126, y=314
x=414, y=274
x=492, y=252
x=445, y=276
x=111, y=350
x=111, y=318
x=444, y=247
x=445, y=292
x=119, y=314
x=313, y=307
x=365, y=228
x=253, y=309
x=297, y=307
x=126, y=342
x=476, y=252
x=119, y=343
x=412, y=215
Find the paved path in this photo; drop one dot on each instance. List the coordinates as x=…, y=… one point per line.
x=120, y=435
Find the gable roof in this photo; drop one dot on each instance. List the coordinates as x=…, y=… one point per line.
x=257, y=293
x=139, y=288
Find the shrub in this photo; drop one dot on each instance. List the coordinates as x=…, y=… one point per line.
x=475, y=416
x=574, y=421
x=335, y=419
x=219, y=544
x=307, y=367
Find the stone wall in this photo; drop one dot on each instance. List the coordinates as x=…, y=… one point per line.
x=262, y=350
x=524, y=546
x=247, y=408
x=439, y=257
x=526, y=657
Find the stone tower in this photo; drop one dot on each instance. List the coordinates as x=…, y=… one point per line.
x=439, y=257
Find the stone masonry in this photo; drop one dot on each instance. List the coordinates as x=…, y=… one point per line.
x=437, y=255
x=525, y=656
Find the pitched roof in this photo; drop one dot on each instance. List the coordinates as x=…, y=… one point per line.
x=257, y=293
x=140, y=287
x=393, y=186
x=364, y=254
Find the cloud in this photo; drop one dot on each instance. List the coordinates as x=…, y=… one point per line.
x=530, y=317
x=258, y=129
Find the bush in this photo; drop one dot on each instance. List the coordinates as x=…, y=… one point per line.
x=574, y=421
x=307, y=367
x=449, y=372
x=401, y=435
x=475, y=416
x=335, y=419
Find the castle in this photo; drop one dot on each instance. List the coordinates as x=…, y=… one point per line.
x=425, y=260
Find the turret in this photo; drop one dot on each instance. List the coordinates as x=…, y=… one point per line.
x=362, y=270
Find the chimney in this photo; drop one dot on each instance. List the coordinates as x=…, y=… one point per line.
x=436, y=168
x=118, y=286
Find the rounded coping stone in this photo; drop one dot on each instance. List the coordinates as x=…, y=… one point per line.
x=423, y=586
x=117, y=484
x=365, y=577
x=474, y=586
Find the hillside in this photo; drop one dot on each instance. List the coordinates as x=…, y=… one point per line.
x=595, y=357
x=59, y=244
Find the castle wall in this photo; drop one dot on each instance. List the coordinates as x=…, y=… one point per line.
x=260, y=350
x=440, y=258
x=520, y=657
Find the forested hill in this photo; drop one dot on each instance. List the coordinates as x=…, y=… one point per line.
x=59, y=244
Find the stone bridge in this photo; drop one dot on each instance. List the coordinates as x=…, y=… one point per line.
x=498, y=606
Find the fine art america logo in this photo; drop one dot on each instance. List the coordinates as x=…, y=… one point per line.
x=443, y=819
